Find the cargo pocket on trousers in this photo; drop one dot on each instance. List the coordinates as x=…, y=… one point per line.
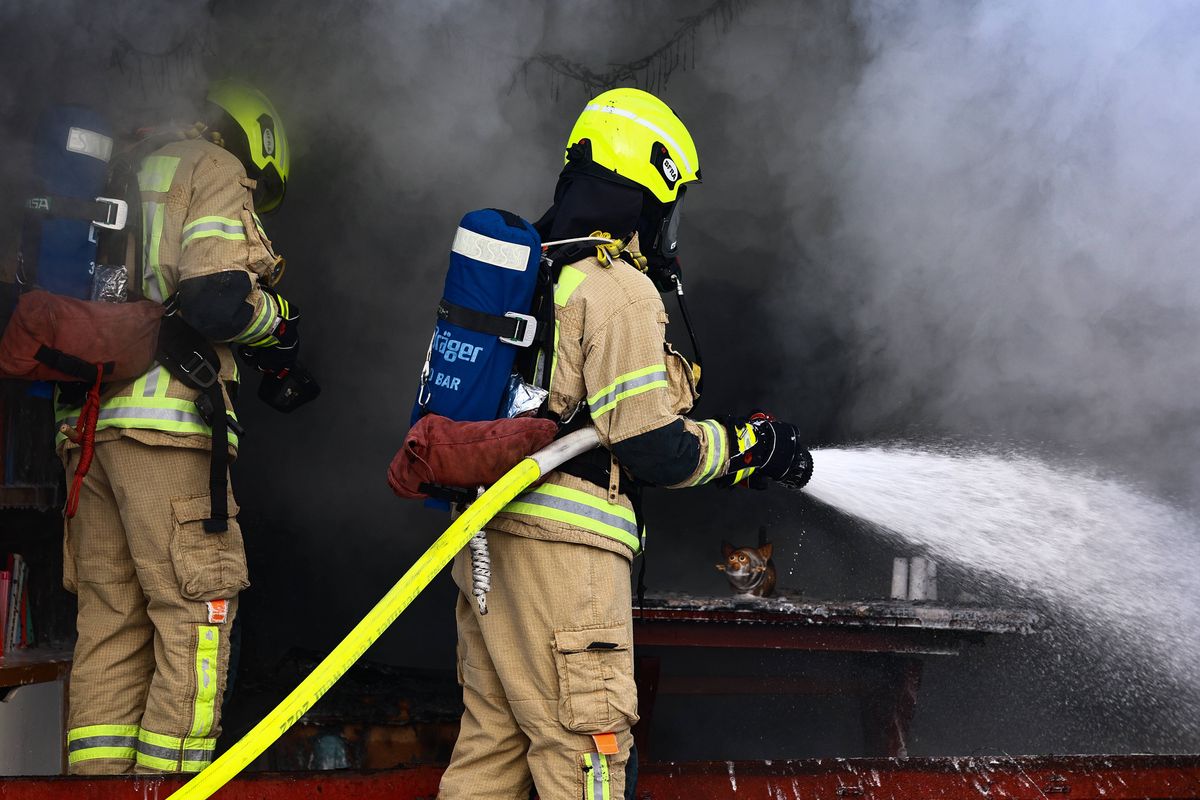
x=596, y=692
x=208, y=566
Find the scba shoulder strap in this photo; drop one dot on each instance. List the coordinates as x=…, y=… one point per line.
x=193, y=361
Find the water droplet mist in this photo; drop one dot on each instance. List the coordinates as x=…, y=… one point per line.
x=1119, y=563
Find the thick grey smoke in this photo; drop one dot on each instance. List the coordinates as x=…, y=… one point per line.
x=938, y=218
x=1018, y=198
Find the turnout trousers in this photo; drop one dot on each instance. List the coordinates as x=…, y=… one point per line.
x=549, y=666
x=157, y=597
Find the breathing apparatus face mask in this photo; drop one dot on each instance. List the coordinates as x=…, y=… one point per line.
x=659, y=234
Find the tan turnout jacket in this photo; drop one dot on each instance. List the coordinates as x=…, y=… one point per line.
x=611, y=361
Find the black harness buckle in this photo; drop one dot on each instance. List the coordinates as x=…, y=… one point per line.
x=199, y=370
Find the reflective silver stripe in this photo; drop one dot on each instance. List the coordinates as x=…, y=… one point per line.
x=213, y=226
x=101, y=741
x=141, y=412
x=611, y=396
x=152, y=381
x=597, y=775
x=535, y=498
x=645, y=123
x=158, y=751
x=198, y=755
x=264, y=323
x=506, y=255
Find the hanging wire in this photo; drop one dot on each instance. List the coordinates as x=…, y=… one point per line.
x=650, y=72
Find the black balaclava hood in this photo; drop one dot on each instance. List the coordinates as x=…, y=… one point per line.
x=585, y=203
x=589, y=198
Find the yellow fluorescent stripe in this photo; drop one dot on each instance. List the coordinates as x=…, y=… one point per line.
x=157, y=173
x=583, y=498
x=628, y=376
x=578, y=520
x=153, y=242
x=711, y=456
x=568, y=281
x=233, y=237
x=163, y=764
x=207, y=646
x=139, y=423
x=93, y=753
x=160, y=739
x=193, y=766
x=610, y=405
x=102, y=730
x=604, y=777
x=233, y=223
x=199, y=743
x=164, y=382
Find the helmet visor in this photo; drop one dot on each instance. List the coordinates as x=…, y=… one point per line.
x=668, y=236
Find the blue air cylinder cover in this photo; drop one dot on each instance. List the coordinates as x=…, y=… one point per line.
x=493, y=270
x=72, y=148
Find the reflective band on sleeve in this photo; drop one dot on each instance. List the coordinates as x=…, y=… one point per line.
x=506, y=255
x=645, y=123
x=221, y=227
x=742, y=474
x=563, y=504
x=568, y=281
x=265, y=322
x=208, y=640
x=628, y=385
x=716, y=457
x=157, y=173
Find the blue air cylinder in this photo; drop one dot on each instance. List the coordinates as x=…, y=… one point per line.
x=72, y=148
x=493, y=271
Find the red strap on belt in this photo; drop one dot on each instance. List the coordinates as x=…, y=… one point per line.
x=85, y=429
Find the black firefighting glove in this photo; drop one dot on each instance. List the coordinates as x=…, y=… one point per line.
x=765, y=448
x=276, y=353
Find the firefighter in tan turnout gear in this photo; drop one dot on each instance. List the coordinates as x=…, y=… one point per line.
x=547, y=674
x=154, y=551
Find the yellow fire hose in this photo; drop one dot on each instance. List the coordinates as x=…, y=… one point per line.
x=385, y=612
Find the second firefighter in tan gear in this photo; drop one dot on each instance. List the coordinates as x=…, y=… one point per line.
x=158, y=592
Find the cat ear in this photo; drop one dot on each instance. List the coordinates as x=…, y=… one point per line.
x=727, y=549
x=766, y=550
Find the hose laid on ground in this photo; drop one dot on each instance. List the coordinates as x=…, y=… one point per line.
x=385, y=612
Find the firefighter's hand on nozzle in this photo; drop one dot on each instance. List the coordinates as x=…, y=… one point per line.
x=764, y=447
x=276, y=353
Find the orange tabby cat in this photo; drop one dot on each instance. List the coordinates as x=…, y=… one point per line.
x=750, y=570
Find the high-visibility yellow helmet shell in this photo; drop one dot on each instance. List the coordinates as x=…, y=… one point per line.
x=637, y=136
x=252, y=130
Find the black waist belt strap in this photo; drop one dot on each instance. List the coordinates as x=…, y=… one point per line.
x=192, y=359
